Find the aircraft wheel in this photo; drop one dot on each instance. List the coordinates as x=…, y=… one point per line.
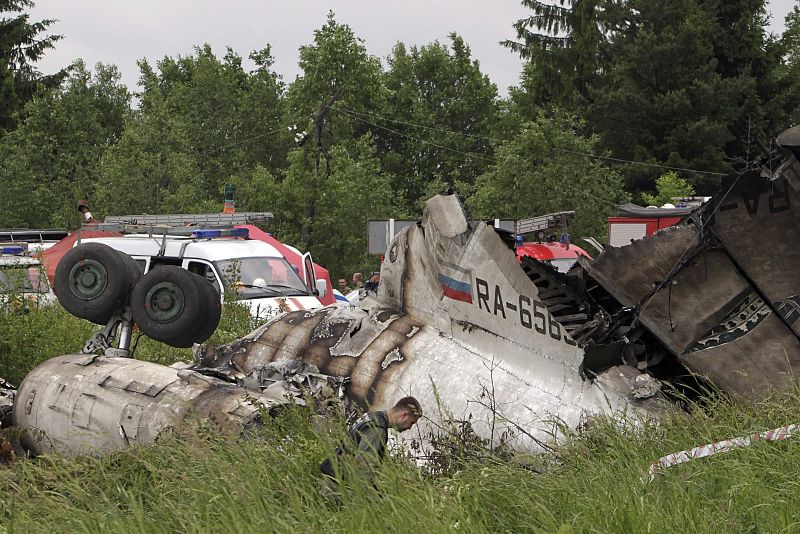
x=212, y=311
x=133, y=269
x=168, y=304
x=92, y=282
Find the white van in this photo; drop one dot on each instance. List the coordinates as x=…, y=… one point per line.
x=253, y=271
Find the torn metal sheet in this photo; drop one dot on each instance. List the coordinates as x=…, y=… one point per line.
x=710, y=449
x=758, y=224
x=7, y=395
x=722, y=301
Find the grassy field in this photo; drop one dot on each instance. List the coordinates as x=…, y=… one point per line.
x=594, y=482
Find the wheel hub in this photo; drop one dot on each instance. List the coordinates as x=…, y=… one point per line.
x=88, y=279
x=164, y=302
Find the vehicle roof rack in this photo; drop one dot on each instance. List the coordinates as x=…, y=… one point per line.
x=196, y=219
x=28, y=234
x=198, y=232
x=163, y=231
x=543, y=222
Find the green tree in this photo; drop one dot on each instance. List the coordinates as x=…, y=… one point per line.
x=227, y=111
x=335, y=64
x=543, y=170
x=664, y=101
x=441, y=110
x=788, y=98
x=668, y=187
x=53, y=158
x=744, y=52
x=152, y=169
x=356, y=191
x=202, y=122
x=566, y=45
x=21, y=46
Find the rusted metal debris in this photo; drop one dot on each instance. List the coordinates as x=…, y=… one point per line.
x=721, y=295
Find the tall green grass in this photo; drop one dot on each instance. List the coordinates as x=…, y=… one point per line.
x=33, y=336
x=594, y=481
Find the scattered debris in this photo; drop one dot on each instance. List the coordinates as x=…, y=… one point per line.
x=712, y=302
x=704, y=451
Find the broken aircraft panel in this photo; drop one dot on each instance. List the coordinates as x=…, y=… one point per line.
x=721, y=294
x=717, y=296
x=705, y=312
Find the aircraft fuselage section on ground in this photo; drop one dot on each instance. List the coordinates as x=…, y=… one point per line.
x=455, y=321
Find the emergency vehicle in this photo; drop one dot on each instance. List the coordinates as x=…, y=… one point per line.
x=561, y=256
x=253, y=272
x=634, y=222
x=556, y=251
x=22, y=278
x=248, y=220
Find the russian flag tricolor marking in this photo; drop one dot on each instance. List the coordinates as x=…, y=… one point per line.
x=456, y=282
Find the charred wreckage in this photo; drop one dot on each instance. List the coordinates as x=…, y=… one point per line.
x=713, y=300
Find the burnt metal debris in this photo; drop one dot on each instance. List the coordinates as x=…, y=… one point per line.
x=713, y=301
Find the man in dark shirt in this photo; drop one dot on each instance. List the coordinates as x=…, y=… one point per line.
x=368, y=438
x=372, y=283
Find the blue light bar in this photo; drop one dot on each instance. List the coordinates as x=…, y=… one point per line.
x=202, y=234
x=13, y=250
x=232, y=232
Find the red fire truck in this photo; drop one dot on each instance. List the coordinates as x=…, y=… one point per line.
x=635, y=222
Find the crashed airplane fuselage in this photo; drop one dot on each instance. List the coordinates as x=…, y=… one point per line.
x=457, y=324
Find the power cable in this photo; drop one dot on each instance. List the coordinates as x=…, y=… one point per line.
x=495, y=139
x=419, y=140
x=672, y=271
x=473, y=155
x=243, y=141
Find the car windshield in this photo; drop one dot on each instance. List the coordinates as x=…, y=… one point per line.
x=260, y=277
x=28, y=279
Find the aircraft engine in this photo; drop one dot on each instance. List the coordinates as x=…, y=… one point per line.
x=86, y=404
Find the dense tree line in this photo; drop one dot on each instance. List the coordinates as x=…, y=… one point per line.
x=694, y=85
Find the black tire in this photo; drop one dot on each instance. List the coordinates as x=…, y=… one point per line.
x=134, y=273
x=167, y=304
x=212, y=312
x=92, y=282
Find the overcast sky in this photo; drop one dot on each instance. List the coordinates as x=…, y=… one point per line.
x=121, y=32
